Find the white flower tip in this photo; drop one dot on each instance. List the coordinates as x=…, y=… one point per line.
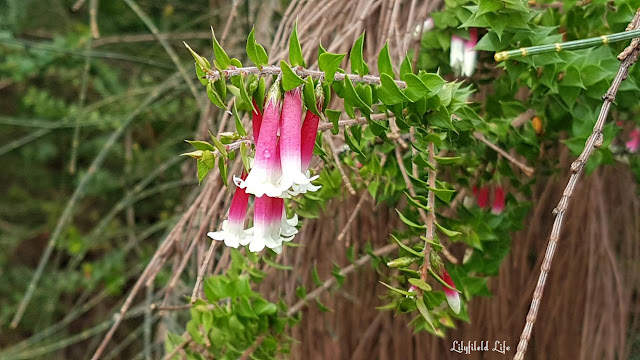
x=454, y=302
x=216, y=235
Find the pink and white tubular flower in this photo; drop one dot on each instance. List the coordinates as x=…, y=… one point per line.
x=498, y=201
x=453, y=298
x=260, y=180
x=470, y=54
x=256, y=121
x=233, y=232
x=456, y=54
x=482, y=196
x=260, y=235
x=282, y=229
x=462, y=56
x=633, y=145
x=308, y=140
x=290, y=140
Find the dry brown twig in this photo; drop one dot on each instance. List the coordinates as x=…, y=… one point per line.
x=628, y=57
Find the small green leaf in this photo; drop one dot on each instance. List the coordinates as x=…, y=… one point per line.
x=208, y=159
x=416, y=89
x=357, y=61
x=409, y=222
x=422, y=308
x=384, y=61
x=239, y=127
x=401, y=262
x=406, y=247
x=295, y=51
x=203, y=170
x=222, y=166
x=433, y=82
x=218, y=145
x=405, y=67
x=214, y=97
x=447, y=159
x=194, y=154
x=329, y=63
x=309, y=96
x=333, y=116
x=449, y=233
x=389, y=92
x=399, y=291
x=336, y=272
x=202, y=62
x=244, y=154
x=420, y=284
x=316, y=277
x=322, y=307
x=443, y=194
x=290, y=80
x=255, y=51
x=221, y=56
x=416, y=203
x=201, y=145
x=352, y=98
x=275, y=265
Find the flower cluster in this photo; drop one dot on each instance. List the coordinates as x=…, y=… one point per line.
x=463, y=56
x=279, y=170
x=482, y=198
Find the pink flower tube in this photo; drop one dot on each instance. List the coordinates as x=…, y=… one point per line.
x=498, y=201
x=633, y=145
x=482, y=197
x=308, y=140
x=260, y=233
x=260, y=180
x=470, y=54
x=453, y=298
x=233, y=232
x=290, y=140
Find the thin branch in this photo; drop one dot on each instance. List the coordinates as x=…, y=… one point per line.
x=346, y=271
x=628, y=58
x=214, y=75
x=527, y=170
x=354, y=213
x=431, y=216
x=180, y=346
x=345, y=178
x=203, y=270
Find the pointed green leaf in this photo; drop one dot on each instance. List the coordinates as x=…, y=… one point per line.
x=208, y=159
x=221, y=56
x=389, y=92
x=447, y=159
x=409, y=222
x=214, y=97
x=420, y=284
x=333, y=116
x=357, y=61
x=352, y=98
x=443, y=194
x=416, y=89
x=384, y=61
x=239, y=127
x=449, y=233
x=399, y=291
x=218, y=145
x=329, y=63
x=316, y=277
x=309, y=96
x=405, y=67
x=275, y=265
x=295, y=51
x=416, y=203
x=255, y=51
x=222, y=166
x=406, y=247
x=203, y=170
x=422, y=308
x=202, y=62
x=201, y=145
x=290, y=80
